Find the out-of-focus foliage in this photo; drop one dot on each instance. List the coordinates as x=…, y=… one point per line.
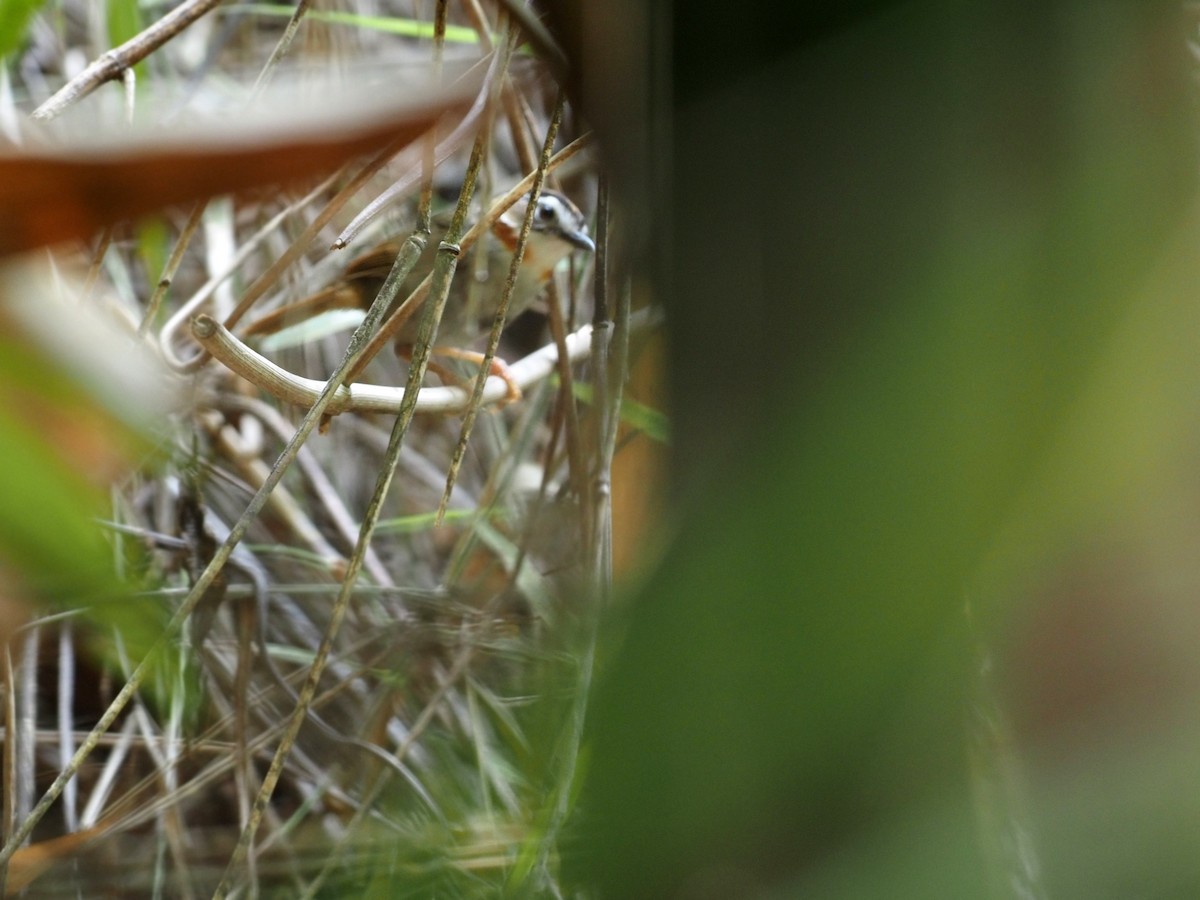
x=916, y=336
x=78, y=405
x=14, y=17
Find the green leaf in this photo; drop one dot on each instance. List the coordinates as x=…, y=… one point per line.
x=14, y=19
x=646, y=419
x=47, y=525
x=124, y=22
x=152, y=246
x=422, y=521
x=388, y=24
x=50, y=539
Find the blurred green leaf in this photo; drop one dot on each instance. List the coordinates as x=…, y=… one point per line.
x=49, y=537
x=962, y=201
x=388, y=24
x=651, y=422
x=124, y=22
x=46, y=520
x=419, y=522
x=14, y=19
x=152, y=246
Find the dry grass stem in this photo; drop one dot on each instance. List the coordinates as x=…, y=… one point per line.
x=356, y=674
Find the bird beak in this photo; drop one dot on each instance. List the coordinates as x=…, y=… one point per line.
x=580, y=239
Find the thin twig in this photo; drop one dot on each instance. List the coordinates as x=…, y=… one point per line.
x=479, y=22
x=522, y=139
x=600, y=559
x=93, y=272
x=319, y=483
x=282, y=47
x=597, y=532
x=541, y=39
x=489, y=354
x=572, y=431
x=111, y=65
x=27, y=697
x=10, y=759
x=248, y=614
x=171, y=267
x=66, y=708
x=374, y=398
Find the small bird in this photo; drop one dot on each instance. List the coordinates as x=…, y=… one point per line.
x=557, y=230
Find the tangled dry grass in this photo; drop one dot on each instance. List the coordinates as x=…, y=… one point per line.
x=399, y=701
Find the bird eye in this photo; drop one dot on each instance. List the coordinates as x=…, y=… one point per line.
x=545, y=212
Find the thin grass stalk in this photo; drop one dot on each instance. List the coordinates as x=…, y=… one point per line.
x=527, y=151
x=480, y=752
x=479, y=22
x=444, y=265
x=247, y=614
x=220, y=245
x=283, y=501
x=319, y=484
x=425, y=203
x=489, y=354
x=281, y=48
x=600, y=574
x=572, y=431
x=111, y=65
x=129, y=83
x=160, y=746
x=93, y=272
x=66, y=736
x=26, y=736
x=539, y=37
x=606, y=415
x=171, y=267
x=106, y=779
x=10, y=758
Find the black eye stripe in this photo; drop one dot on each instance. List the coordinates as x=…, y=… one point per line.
x=554, y=214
